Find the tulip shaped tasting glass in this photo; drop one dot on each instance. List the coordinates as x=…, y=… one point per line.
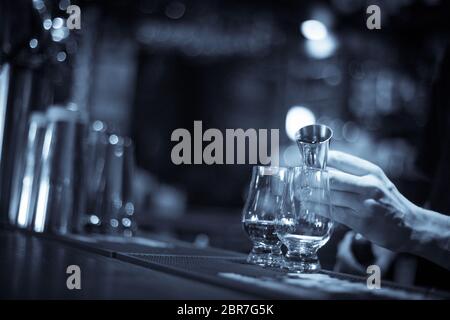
x=302, y=224
x=267, y=187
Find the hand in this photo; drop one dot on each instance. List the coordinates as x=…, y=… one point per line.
x=347, y=262
x=365, y=200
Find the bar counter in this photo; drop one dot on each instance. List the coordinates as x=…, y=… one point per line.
x=34, y=266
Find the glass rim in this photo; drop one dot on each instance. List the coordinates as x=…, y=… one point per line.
x=309, y=168
x=270, y=170
x=321, y=131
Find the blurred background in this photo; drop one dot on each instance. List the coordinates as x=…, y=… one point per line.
x=147, y=67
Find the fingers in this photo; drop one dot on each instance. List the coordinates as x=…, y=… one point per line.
x=367, y=185
x=351, y=164
x=345, y=182
x=342, y=215
x=337, y=198
x=346, y=199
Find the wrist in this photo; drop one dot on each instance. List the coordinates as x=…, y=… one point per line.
x=430, y=236
x=419, y=232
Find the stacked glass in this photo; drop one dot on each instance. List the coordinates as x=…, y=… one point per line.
x=291, y=206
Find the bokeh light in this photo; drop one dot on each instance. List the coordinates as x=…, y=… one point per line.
x=314, y=30
x=296, y=118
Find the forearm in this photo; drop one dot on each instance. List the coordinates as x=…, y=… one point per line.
x=430, y=238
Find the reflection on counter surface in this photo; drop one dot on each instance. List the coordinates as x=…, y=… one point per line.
x=95, y=94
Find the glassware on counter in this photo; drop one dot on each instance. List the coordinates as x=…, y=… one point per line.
x=267, y=188
x=97, y=143
x=29, y=181
x=303, y=224
x=109, y=175
x=60, y=199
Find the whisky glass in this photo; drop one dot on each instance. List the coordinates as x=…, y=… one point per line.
x=302, y=224
x=267, y=188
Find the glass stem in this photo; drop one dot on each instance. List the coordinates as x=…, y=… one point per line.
x=302, y=257
x=264, y=249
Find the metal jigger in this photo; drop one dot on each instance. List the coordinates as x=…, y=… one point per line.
x=313, y=142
